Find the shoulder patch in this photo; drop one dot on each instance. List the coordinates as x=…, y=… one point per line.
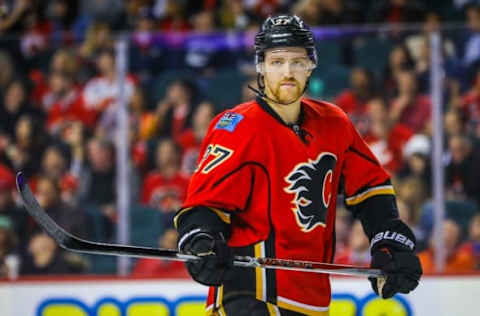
x=229, y=121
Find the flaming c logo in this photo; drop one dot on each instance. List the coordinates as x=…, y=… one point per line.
x=311, y=183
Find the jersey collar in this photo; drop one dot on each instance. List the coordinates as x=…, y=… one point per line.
x=264, y=105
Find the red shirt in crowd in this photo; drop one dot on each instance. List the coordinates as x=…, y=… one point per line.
x=190, y=151
x=390, y=152
x=470, y=104
x=99, y=93
x=163, y=193
x=416, y=115
x=349, y=102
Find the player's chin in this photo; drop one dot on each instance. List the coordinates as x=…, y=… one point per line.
x=288, y=97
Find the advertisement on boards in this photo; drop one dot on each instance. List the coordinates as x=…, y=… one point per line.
x=129, y=297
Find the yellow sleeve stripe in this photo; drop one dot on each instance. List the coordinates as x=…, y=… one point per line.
x=223, y=215
x=273, y=310
x=175, y=219
x=380, y=190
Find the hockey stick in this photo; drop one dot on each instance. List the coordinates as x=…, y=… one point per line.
x=73, y=243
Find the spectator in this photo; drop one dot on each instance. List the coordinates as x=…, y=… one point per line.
x=201, y=52
x=65, y=103
x=162, y=268
x=47, y=192
x=470, y=107
x=462, y=171
x=34, y=38
x=142, y=120
x=471, y=45
x=354, y=100
x=173, y=113
x=458, y=260
x=146, y=57
x=191, y=140
x=416, y=154
x=73, y=135
x=97, y=39
x=416, y=42
x=15, y=104
x=358, y=251
x=63, y=14
x=98, y=177
x=233, y=15
x=8, y=241
x=164, y=188
x=386, y=140
x=472, y=246
x=100, y=92
x=63, y=62
x=142, y=129
x=413, y=192
x=453, y=123
x=410, y=107
x=44, y=257
x=399, y=60
x=23, y=151
x=56, y=161
x=422, y=66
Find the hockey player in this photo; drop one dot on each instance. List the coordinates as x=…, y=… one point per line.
x=267, y=183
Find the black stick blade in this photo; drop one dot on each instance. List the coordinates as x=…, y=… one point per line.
x=39, y=214
x=73, y=243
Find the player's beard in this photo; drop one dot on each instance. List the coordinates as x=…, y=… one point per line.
x=287, y=95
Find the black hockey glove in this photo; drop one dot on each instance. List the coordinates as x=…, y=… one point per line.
x=392, y=250
x=217, y=257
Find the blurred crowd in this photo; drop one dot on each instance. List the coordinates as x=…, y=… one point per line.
x=58, y=88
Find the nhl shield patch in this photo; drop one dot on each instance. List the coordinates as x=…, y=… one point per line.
x=229, y=121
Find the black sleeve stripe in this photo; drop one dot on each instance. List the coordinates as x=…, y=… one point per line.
x=351, y=148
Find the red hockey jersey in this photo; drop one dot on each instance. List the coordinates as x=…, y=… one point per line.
x=277, y=188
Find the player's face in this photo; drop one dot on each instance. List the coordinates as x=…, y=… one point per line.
x=286, y=71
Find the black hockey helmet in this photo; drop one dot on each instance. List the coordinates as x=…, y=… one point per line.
x=284, y=30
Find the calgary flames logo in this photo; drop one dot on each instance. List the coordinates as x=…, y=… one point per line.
x=311, y=182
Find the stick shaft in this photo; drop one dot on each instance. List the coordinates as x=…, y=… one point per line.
x=73, y=243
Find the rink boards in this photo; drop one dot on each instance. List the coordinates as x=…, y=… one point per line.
x=443, y=295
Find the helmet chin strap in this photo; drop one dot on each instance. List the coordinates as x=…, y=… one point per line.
x=262, y=94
